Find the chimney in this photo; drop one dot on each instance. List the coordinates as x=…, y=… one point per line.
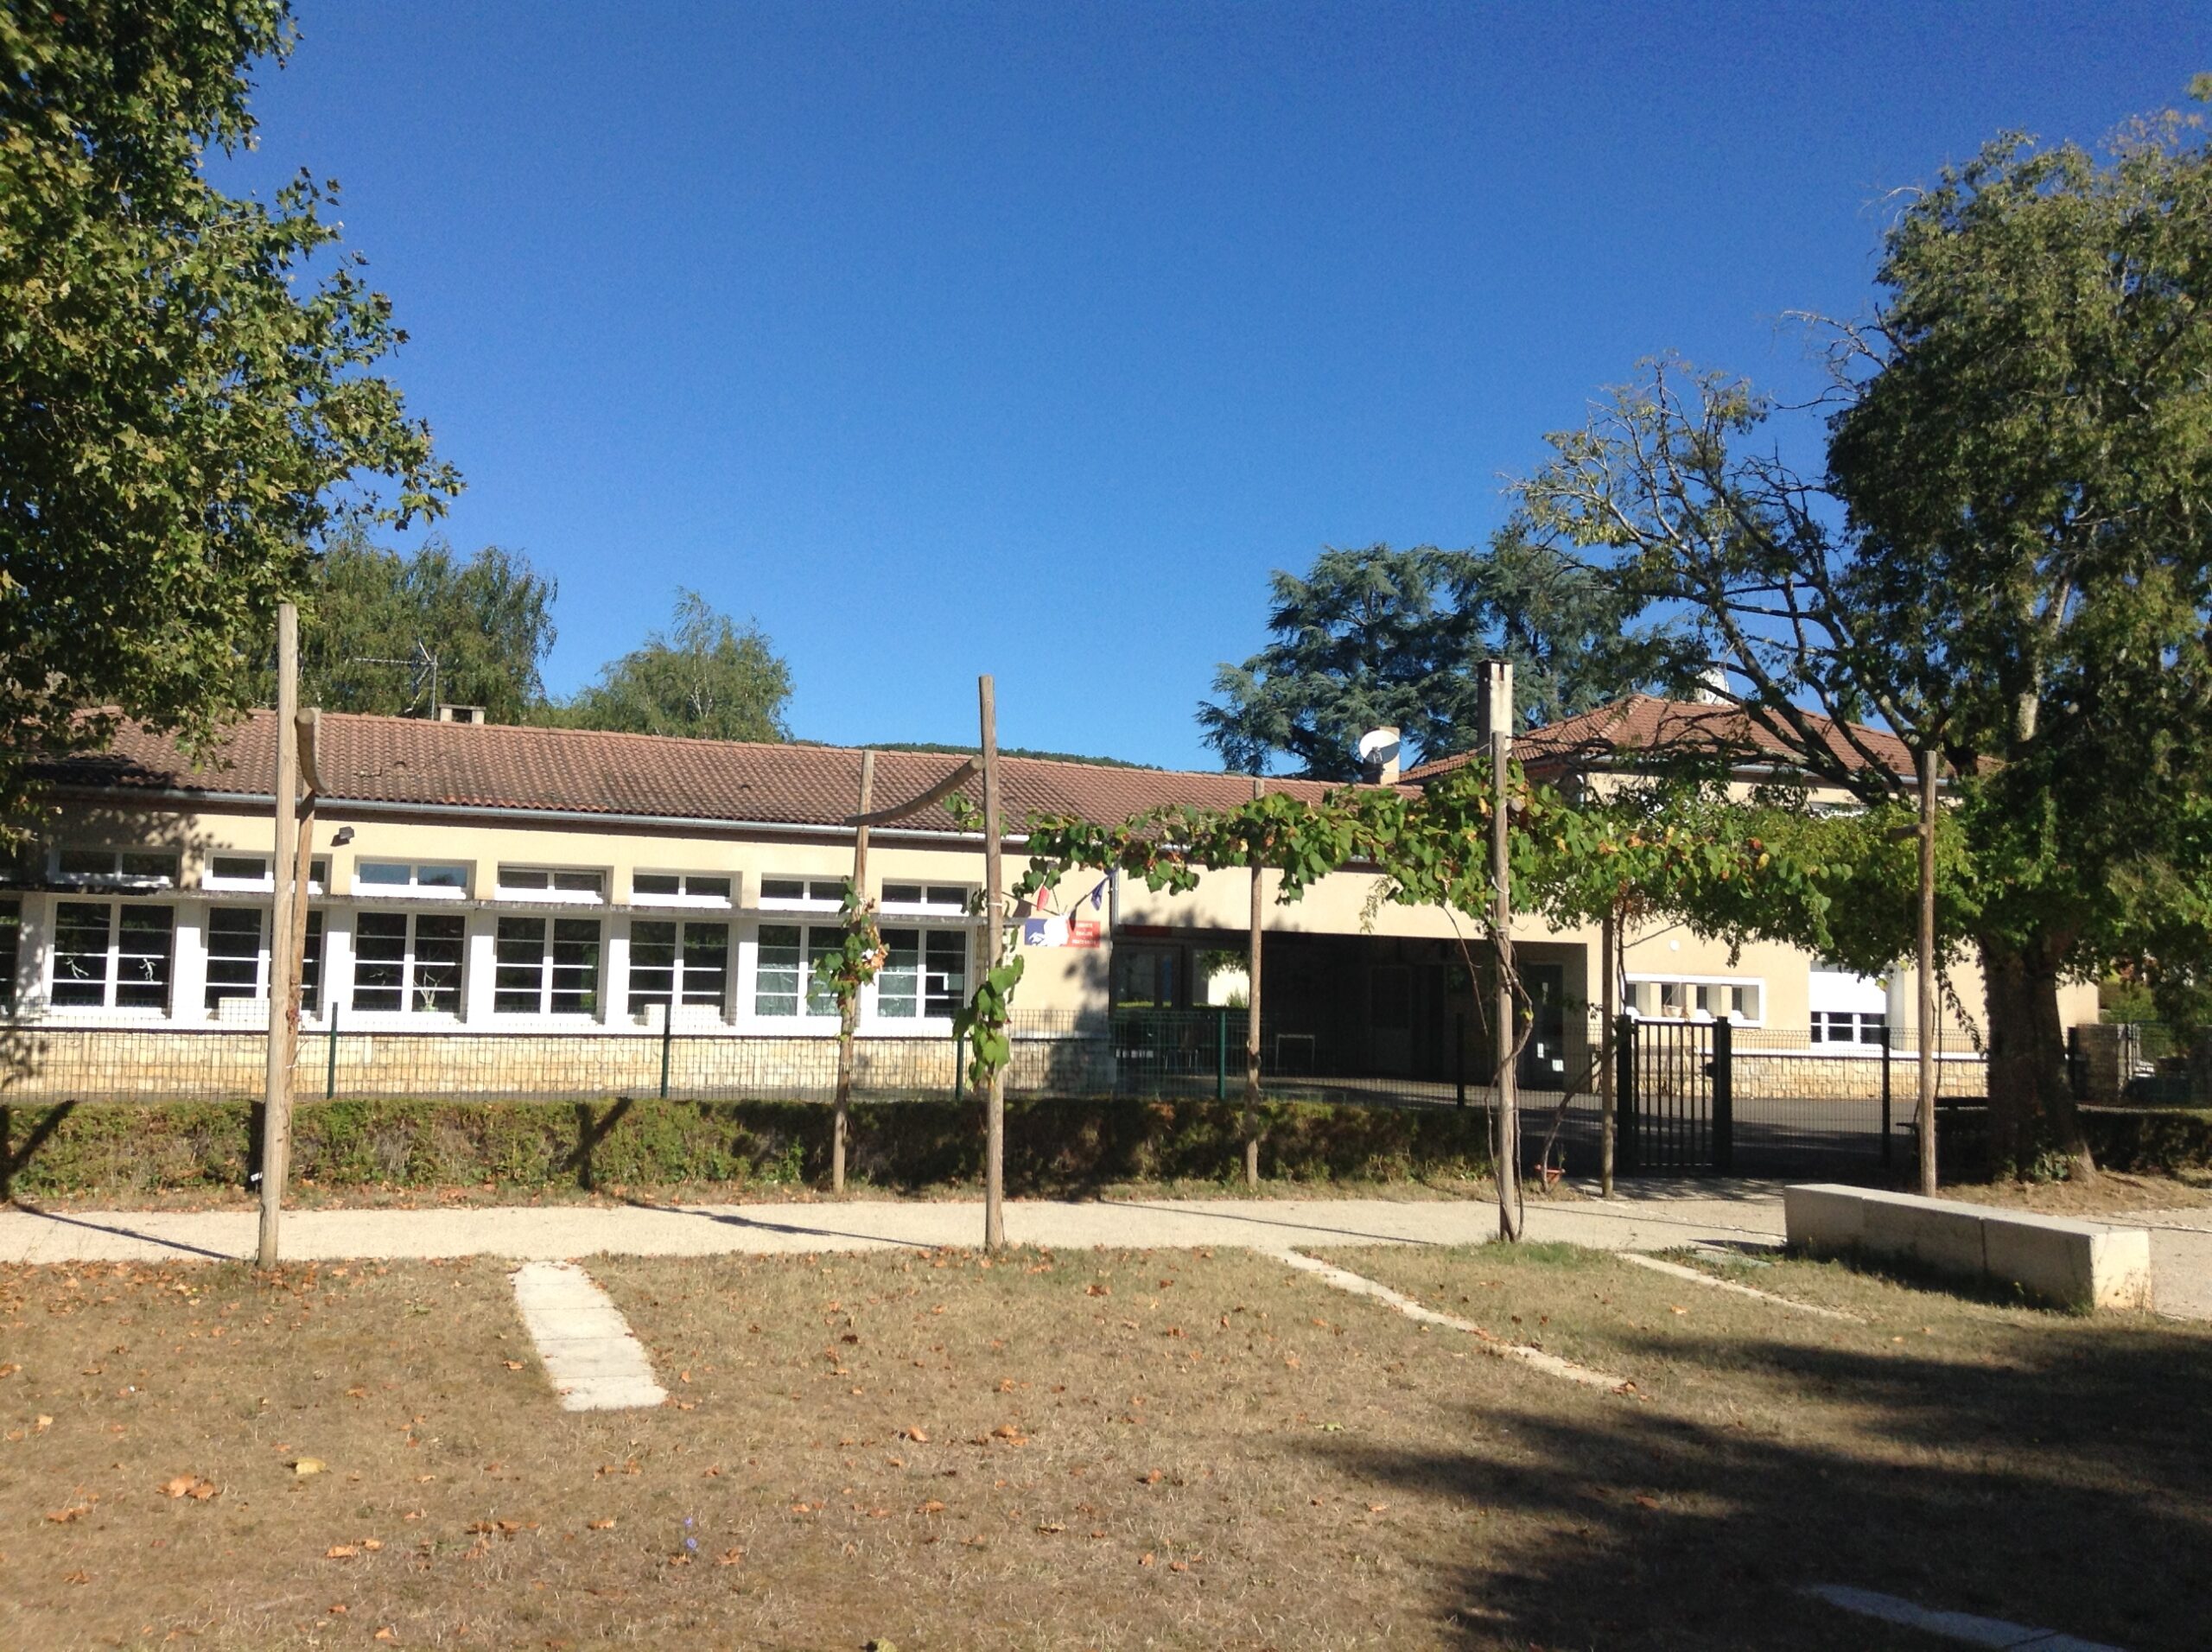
x=1712, y=686
x=448, y=712
x=1378, y=757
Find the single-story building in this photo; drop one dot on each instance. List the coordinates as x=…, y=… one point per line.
x=550, y=909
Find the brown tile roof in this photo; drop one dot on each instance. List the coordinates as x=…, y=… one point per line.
x=371, y=760
x=1642, y=722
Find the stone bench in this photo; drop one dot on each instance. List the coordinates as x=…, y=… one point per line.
x=2079, y=1265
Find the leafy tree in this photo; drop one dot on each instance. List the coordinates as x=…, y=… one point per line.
x=185, y=411
x=705, y=677
x=486, y=619
x=1378, y=636
x=2006, y=561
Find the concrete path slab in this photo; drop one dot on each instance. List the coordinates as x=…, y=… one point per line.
x=557, y=1231
x=1952, y=1626
x=593, y=1360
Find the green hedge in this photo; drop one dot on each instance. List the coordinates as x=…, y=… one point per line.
x=1053, y=1146
x=2149, y=1138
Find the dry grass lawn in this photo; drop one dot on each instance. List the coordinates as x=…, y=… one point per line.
x=1126, y=1450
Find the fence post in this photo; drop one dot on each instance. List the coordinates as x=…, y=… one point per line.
x=1221, y=1054
x=958, y=1076
x=1889, y=1149
x=330, y=1075
x=667, y=1039
x=1460, y=1060
x=1724, y=1095
x=1628, y=1153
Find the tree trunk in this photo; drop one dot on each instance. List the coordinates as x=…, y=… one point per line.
x=2031, y=1095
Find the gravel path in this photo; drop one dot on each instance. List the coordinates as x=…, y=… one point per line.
x=1656, y=1217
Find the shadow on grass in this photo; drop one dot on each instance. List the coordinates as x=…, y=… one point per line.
x=2060, y=1481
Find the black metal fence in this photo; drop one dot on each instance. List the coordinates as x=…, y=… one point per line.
x=2142, y=1064
x=1785, y=1101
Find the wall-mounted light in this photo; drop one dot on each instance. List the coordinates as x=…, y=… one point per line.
x=345, y=837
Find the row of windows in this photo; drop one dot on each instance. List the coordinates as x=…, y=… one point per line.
x=115, y=954
x=1690, y=999
x=436, y=880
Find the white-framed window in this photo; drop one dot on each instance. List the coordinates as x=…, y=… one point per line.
x=1849, y=1027
x=237, y=958
x=1691, y=998
x=230, y=869
x=546, y=966
x=947, y=900
x=430, y=879
x=802, y=894
x=783, y=984
x=683, y=888
x=112, y=955
x=135, y=866
x=925, y=975
x=551, y=883
x=678, y=963
x=409, y=963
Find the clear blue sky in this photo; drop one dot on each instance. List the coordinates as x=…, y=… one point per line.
x=944, y=339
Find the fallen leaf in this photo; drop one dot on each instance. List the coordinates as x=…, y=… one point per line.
x=1671, y=1308
x=1052, y=1527
x=511, y=1364
x=1644, y=1502
x=1151, y=1477
x=9, y=1370
x=373, y=1544
x=45, y=1423
x=932, y=1507
x=1007, y=1431
x=599, y=1525
x=1097, y=1290
x=77, y=1577
x=729, y=1557
x=1147, y=1559
x=308, y=1465
x=340, y=1551
x=74, y=1511
x=1376, y=1508
x=385, y=1633
x=915, y=1432
x=1178, y=1565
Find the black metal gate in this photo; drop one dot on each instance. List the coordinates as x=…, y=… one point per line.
x=1676, y=1097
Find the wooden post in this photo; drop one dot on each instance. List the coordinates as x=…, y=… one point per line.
x=1926, y=961
x=283, y=1003
x=1608, y=952
x=848, y=1013
x=308, y=723
x=992, y=933
x=1252, y=1017
x=1509, y=1102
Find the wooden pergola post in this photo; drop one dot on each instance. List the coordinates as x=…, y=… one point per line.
x=849, y=1013
x=994, y=931
x=1252, y=1016
x=1509, y=1101
x=284, y=1001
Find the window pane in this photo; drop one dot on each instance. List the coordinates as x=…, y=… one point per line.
x=87, y=863
x=238, y=868
x=829, y=889
x=902, y=895
x=144, y=941
x=144, y=863
x=12, y=941
x=946, y=980
x=81, y=929
x=311, y=967
x=954, y=898
x=380, y=959
x=437, y=965
x=517, y=984
x=233, y=954
x=574, y=986
x=655, y=883
x=782, y=889
x=820, y=943
x=382, y=872
x=775, y=987
x=520, y=877
x=442, y=877
x=579, y=883
x=705, y=964
x=898, y=986
x=652, y=963
x=707, y=888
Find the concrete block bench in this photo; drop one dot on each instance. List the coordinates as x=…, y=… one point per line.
x=2081, y=1265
